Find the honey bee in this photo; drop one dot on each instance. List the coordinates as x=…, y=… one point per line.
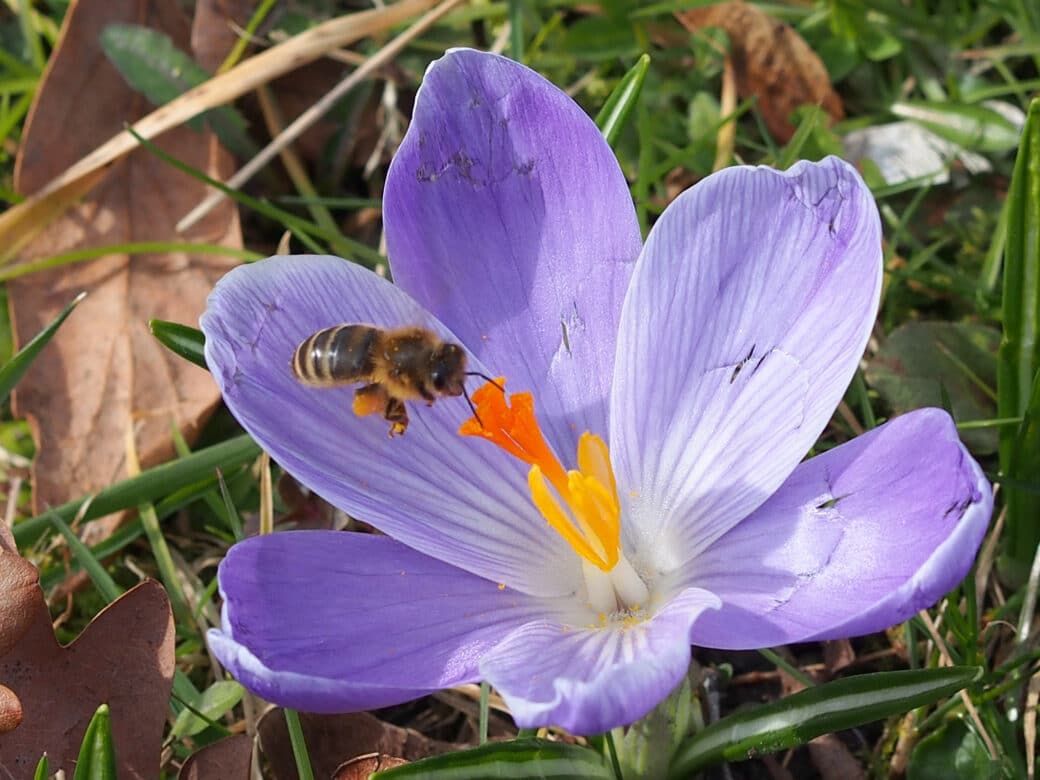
x=396, y=365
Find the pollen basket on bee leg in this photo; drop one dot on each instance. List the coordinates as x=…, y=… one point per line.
x=370, y=399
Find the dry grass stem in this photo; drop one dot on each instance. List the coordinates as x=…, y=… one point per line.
x=21, y=222
x=727, y=135
x=305, y=120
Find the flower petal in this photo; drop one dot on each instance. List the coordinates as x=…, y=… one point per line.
x=858, y=539
x=450, y=497
x=507, y=216
x=589, y=680
x=748, y=311
x=329, y=621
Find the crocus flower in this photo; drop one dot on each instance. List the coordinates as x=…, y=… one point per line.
x=638, y=488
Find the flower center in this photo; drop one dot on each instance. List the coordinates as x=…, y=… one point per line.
x=581, y=506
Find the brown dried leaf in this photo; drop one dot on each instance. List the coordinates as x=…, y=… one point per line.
x=124, y=657
x=833, y=760
x=772, y=62
x=361, y=767
x=334, y=739
x=7, y=539
x=838, y=654
x=214, y=29
x=228, y=759
x=19, y=597
x=104, y=373
x=11, y=713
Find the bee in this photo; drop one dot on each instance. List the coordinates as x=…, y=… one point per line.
x=396, y=365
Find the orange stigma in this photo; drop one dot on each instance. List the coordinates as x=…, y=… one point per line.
x=584, y=509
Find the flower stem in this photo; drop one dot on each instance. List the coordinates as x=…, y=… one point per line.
x=485, y=693
x=609, y=739
x=299, y=746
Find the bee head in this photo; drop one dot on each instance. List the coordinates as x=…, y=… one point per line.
x=448, y=369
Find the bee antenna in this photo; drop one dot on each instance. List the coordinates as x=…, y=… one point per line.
x=472, y=408
x=485, y=377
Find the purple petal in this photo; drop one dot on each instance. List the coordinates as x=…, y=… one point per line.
x=327, y=621
x=858, y=539
x=589, y=680
x=748, y=311
x=451, y=497
x=508, y=218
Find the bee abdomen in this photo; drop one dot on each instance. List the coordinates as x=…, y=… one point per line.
x=337, y=355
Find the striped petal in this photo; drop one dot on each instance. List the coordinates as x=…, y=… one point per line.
x=857, y=539
x=447, y=496
x=507, y=217
x=748, y=312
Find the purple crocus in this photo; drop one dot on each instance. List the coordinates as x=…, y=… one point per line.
x=642, y=491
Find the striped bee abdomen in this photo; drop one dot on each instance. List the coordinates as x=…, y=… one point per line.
x=334, y=356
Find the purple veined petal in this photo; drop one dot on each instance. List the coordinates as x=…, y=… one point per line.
x=857, y=539
x=451, y=497
x=589, y=680
x=748, y=311
x=507, y=216
x=328, y=621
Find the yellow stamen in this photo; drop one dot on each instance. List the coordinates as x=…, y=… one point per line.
x=584, y=509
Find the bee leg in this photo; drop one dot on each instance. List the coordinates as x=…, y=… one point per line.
x=397, y=414
x=370, y=399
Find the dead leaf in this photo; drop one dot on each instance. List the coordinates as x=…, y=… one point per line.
x=215, y=29
x=228, y=759
x=334, y=739
x=11, y=712
x=361, y=767
x=104, y=373
x=772, y=62
x=124, y=657
x=838, y=654
x=776, y=770
x=19, y=595
x=7, y=538
x=833, y=760
x=22, y=221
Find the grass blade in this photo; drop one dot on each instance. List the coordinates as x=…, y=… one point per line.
x=163, y=480
x=1019, y=355
x=101, y=578
x=16, y=367
x=97, y=754
x=613, y=117
x=182, y=340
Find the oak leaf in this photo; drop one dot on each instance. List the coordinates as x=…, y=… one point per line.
x=124, y=658
x=104, y=374
x=772, y=62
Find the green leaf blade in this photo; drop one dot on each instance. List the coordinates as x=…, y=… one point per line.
x=15, y=368
x=183, y=340
x=615, y=113
x=208, y=706
x=1018, y=359
x=153, y=66
x=163, y=480
x=97, y=754
x=826, y=708
x=533, y=758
